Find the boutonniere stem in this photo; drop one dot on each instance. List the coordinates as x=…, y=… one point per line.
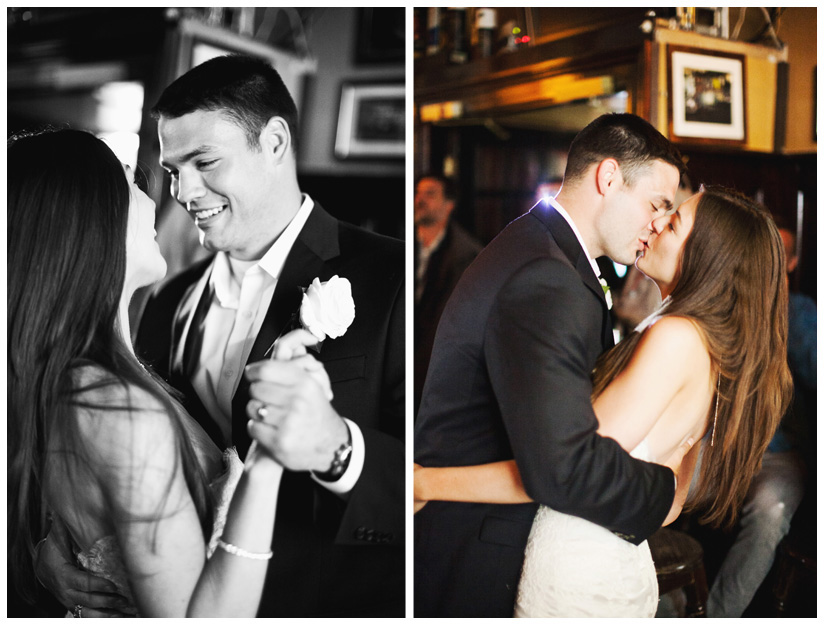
x=607, y=295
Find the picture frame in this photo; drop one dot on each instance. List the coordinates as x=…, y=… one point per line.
x=371, y=119
x=707, y=96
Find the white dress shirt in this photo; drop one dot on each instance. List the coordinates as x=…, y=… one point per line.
x=243, y=292
x=576, y=232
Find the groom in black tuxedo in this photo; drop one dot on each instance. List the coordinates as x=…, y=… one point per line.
x=509, y=375
x=227, y=132
x=339, y=537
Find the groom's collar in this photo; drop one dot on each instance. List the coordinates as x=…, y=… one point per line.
x=554, y=203
x=564, y=235
x=271, y=263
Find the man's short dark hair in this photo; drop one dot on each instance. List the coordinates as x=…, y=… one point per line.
x=249, y=91
x=448, y=186
x=629, y=139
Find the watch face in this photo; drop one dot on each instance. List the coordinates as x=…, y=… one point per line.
x=339, y=463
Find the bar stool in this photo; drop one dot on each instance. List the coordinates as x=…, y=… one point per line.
x=793, y=565
x=679, y=561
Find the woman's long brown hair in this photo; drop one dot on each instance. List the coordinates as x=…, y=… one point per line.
x=732, y=284
x=68, y=209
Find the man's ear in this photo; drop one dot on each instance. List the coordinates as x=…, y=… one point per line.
x=276, y=138
x=608, y=176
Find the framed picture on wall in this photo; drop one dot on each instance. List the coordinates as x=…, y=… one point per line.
x=371, y=121
x=707, y=96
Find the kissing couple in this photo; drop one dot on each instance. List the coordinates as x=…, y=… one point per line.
x=546, y=456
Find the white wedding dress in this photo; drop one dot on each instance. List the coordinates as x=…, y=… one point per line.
x=575, y=568
x=104, y=558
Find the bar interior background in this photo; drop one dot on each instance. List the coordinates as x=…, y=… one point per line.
x=501, y=124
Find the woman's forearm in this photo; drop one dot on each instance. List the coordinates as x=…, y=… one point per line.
x=231, y=584
x=493, y=483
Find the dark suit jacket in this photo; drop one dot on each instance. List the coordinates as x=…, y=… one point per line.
x=510, y=378
x=332, y=557
x=456, y=251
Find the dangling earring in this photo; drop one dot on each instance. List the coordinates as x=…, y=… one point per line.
x=716, y=411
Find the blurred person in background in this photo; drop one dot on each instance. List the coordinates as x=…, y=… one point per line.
x=443, y=251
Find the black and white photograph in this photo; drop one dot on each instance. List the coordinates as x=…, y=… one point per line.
x=206, y=319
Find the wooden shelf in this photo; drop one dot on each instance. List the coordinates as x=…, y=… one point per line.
x=589, y=54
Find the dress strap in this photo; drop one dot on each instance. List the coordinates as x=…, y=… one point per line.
x=653, y=316
x=716, y=410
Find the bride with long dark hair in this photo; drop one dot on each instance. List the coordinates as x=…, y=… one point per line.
x=96, y=442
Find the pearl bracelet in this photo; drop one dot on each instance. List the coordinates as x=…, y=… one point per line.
x=258, y=556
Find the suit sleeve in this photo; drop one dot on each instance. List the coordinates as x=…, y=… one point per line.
x=539, y=350
x=376, y=505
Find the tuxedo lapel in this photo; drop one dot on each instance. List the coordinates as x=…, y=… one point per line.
x=183, y=322
x=184, y=355
x=570, y=246
x=316, y=244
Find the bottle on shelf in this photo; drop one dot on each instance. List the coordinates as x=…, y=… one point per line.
x=419, y=43
x=434, y=33
x=457, y=24
x=486, y=29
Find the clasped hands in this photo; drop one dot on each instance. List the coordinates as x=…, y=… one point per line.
x=290, y=413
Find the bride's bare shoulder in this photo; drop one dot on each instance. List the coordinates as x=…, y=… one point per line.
x=118, y=420
x=676, y=347
x=678, y=338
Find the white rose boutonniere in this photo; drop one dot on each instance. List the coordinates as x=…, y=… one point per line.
x=327, y=308
x=607, y=296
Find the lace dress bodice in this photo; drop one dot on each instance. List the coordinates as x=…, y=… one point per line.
x=104, y=558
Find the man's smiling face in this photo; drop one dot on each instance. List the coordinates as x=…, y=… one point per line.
x=222, y=181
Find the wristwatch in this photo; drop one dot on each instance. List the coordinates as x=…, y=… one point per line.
x=340, y=461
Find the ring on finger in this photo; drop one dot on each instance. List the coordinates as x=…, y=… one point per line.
x=262, y=412
x=77, y=611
